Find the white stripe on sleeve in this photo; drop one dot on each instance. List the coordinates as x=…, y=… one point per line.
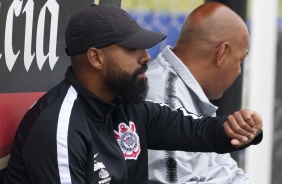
x=62, y=136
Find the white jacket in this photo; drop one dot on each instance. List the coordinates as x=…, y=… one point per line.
x=171, y=82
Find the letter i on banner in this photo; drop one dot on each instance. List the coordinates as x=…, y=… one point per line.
x=28, y=56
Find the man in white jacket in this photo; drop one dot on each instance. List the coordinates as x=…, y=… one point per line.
x=205, y=61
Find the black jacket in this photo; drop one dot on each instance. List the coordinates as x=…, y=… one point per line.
x=72, y=136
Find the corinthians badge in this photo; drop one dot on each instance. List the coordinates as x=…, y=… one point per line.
x=128, y=140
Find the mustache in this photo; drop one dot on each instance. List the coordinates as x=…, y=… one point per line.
x=142, y=69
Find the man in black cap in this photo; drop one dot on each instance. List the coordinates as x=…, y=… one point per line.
x=95, y=127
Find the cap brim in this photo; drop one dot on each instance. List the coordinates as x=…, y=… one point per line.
x=143, y=39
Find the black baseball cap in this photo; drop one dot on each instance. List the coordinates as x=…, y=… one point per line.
x=104, y=25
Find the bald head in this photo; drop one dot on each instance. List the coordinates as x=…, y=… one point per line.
x=213, y=43
x=211, y=23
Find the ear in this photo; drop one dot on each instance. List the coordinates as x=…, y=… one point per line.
x=222, y=53
x=94, y=58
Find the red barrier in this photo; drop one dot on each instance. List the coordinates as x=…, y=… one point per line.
x=13, y=106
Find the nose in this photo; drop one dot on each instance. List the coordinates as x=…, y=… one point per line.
x=145, y=57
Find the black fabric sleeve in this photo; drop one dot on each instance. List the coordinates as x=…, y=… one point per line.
x=35, y=157
x=180, y=130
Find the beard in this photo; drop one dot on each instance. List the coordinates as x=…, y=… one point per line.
x=126, y=85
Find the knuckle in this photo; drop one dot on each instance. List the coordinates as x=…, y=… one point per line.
x=247, y=118
x=237, y=129
x=259, y=123
x=244, y=125
x=243, y=110
x=229, y=132
x=237, y=113
x=230, y=117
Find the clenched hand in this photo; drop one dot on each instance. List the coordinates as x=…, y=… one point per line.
x=242, y=126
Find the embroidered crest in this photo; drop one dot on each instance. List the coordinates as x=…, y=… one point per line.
x=128, y=140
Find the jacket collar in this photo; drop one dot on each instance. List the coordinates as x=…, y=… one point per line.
x=186, y=76
x=96, y=108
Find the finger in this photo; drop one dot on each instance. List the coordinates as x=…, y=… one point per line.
x=231, y=134
x=237, y=143
x=244, y=120
x=247, y=115
x=257, y=120
x=236, y=128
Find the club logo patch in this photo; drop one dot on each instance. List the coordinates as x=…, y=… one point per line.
x=128, y=140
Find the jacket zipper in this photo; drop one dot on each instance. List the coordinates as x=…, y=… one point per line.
x=115, y=145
